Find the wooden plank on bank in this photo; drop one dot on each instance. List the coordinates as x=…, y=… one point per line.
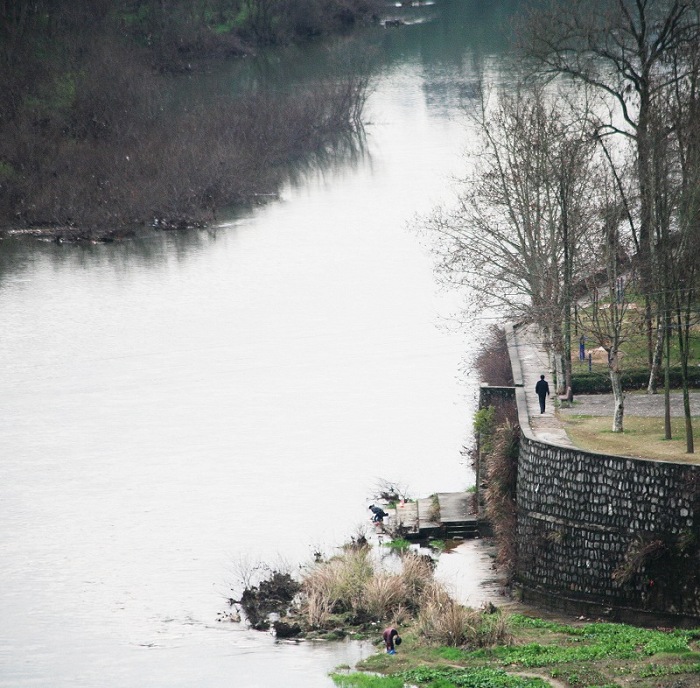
x=405, y=515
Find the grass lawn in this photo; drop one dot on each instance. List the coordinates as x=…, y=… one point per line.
x=543, y=653
x=643, y=437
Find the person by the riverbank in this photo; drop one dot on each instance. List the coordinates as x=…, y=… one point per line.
x=378, y=513
x=391, y=639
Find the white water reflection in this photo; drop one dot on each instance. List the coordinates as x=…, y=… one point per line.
x=468, y=573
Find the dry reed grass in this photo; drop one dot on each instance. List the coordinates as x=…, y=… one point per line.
x=417, y=574
x=336, y=585
x=443, y=621
x=349, y=582
x=382, y=594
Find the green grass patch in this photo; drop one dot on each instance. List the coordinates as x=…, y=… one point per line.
x=482, y=677
x=437, y=545
x=643, y=437
x=655, y=670
x=398, y=545
x=592, y=642
x=7, y=171
x=223, y=28
x=430, y=677
x=367, y=681
x=591, y=655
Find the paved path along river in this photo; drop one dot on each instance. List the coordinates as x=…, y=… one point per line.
x=550, y=426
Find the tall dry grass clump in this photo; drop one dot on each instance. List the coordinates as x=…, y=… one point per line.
x=336, y=585
x=353, y=589
x=383, y=594
x=417, y=574
x=320, y=589
x=493, y=629
x=443, y=621
x=350, y=584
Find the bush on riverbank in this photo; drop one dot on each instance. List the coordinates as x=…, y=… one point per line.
x=181, y=32
x=633, y=379
x=499, y=495
x=95, y=139
x=353, y=592
x=349, y=589
x=493, y=361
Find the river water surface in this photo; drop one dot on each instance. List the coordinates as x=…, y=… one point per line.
x=178, y=407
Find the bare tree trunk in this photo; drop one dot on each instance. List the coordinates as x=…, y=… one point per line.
x=656, y=358
x=618, y=395
x=689, y=442
x=667, y=378
x=683, y=321
x=558, y=352
x=567, y=297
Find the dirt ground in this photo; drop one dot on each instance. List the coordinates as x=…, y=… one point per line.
x=636, y=404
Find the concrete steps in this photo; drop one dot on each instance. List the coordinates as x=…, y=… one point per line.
x=419, y=519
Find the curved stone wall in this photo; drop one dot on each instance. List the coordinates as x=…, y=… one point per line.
x=608, y=534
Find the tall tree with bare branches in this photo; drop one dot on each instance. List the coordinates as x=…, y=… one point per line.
x=514, y=235
x=623, y=48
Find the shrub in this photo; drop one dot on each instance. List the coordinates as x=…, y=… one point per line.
x=382, y=594
x=398, y=545
x=637, y=378
x=443, y=621
x=92, y=136
x=501, y=468
x=493, y=361
x=417, y=573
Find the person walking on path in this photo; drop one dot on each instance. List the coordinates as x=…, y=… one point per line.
x=542, y=391
x=391, y=636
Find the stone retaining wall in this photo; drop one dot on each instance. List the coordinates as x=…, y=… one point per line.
x=610, y=535
x=608, y=531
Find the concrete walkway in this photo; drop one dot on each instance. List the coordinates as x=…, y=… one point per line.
x=525, y=344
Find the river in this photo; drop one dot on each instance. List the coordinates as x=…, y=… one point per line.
x=178, y=407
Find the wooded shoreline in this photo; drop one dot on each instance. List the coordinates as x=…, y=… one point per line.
x=97, y=141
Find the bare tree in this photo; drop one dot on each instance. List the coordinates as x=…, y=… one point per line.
x=683, y=244
x=605, y=313
x=623, y=49
x=515, y=234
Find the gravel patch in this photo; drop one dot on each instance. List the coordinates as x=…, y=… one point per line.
x=636, y=404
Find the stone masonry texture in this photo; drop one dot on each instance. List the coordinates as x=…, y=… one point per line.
x=609, y=530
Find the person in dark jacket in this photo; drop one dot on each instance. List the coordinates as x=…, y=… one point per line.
x=542, y=391
x=378, y=512
x=391, y=636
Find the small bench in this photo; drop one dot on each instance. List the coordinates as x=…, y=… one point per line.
x=566, y=400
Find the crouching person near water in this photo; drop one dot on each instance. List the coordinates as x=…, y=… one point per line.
x=391, y=636
x=378, y=513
